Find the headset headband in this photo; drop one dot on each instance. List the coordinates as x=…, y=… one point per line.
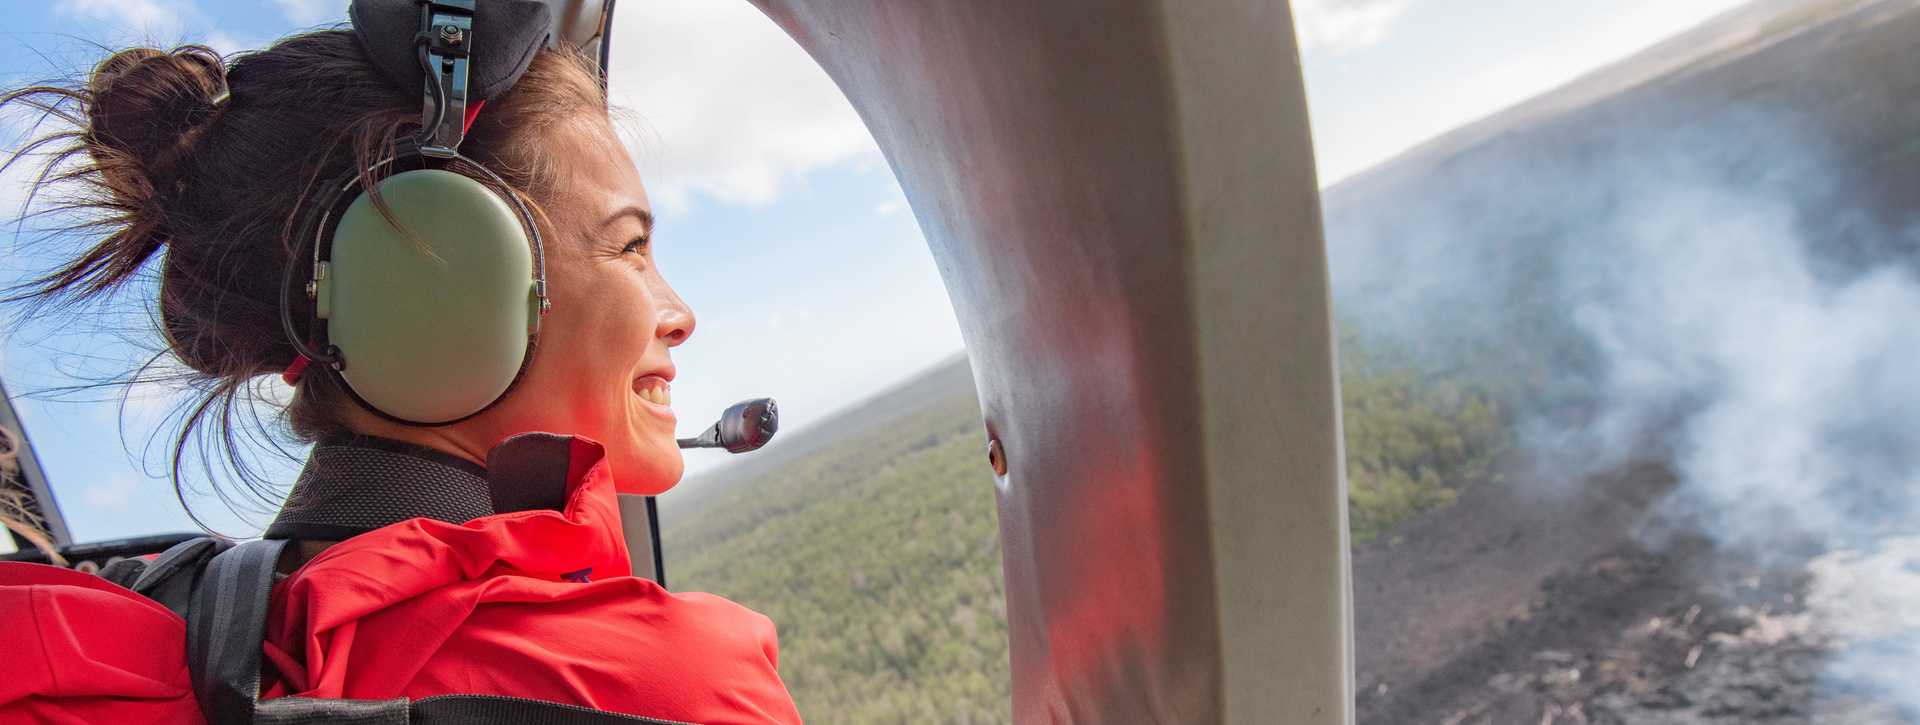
x=498, y=38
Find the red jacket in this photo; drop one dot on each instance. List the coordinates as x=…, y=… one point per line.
x=81, y=650
x=416, y=609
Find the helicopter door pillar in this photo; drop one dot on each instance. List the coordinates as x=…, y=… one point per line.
x=1121, y=198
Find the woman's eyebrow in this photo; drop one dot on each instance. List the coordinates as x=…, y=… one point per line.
x=644, y=216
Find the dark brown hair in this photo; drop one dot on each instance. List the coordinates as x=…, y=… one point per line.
x=209, y=167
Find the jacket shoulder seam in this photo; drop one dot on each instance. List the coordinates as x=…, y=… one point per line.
x=34, y=598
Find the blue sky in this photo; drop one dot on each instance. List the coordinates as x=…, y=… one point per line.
x=765, y=180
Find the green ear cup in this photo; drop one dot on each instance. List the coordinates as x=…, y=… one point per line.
x=433, y=328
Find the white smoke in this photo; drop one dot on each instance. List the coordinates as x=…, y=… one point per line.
x=1797, y=395
x=1871, y=599
x=1789, y=398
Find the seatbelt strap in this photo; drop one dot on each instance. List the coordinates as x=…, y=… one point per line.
x=227, y=625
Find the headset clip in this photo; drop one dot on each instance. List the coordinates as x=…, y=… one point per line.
x=445, y=41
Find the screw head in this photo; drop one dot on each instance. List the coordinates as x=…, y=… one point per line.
x=997, y=457
x=451, y=34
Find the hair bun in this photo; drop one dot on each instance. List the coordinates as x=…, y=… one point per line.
x=149, y=104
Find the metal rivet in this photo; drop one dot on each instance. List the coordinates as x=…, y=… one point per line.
x=997, y=457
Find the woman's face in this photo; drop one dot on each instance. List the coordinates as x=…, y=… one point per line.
x=603, y=364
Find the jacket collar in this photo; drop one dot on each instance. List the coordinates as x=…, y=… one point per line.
x=353, y=484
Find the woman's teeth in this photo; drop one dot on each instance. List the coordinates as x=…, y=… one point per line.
x=657, y=395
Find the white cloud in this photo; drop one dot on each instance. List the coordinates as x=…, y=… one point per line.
x=142, y=13
x=1338, y=26
x=134, y=20
x=112, y=493
x=152, y=22
x=733, y=108
x=313, y=12
x=225, y=44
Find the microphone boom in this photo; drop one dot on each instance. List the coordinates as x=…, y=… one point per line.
x=745, y=426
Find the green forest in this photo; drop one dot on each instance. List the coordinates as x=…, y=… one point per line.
x=878, y=556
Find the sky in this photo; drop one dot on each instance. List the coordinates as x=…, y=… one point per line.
x=779, y=222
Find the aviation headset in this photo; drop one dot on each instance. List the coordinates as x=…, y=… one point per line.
x=427, y=310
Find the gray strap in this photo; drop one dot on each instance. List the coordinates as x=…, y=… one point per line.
x=125, y=571
x=226, y=624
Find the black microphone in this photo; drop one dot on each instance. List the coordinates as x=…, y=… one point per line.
x=746, y=426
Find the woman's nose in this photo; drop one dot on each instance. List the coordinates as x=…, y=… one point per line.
x=673, y=320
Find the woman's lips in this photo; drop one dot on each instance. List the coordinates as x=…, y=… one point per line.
x=655, y=395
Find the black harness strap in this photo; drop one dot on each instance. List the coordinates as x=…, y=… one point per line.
x=321, y=711
x=171, y=577
x=168, y=579
x=498, y=710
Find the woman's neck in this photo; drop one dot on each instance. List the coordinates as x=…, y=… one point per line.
x=466, y=439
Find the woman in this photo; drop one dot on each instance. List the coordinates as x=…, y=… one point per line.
x=423, y=586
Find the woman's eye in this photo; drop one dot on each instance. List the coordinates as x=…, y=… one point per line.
x=637, y=245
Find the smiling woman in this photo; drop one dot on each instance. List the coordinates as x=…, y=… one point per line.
x=479, y=555
x=602, y=369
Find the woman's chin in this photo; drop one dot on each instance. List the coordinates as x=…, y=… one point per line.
x=646, y=468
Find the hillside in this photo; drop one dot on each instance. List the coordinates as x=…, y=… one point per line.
x=948, y=379
x=877, y=556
